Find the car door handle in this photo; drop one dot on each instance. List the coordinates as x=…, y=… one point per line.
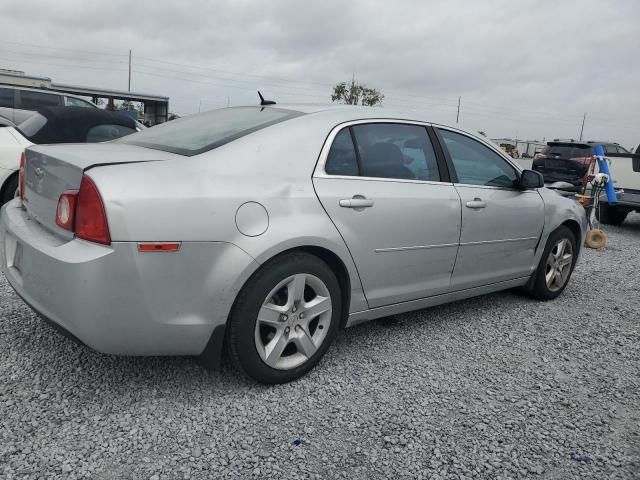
x=356, y=202
x=476, y=203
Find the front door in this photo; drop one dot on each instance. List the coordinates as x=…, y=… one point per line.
x=382, y=188
x=501, y=224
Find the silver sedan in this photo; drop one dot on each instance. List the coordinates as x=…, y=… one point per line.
x=262, y=231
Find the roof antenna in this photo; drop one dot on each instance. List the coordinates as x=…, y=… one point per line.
x=264, y=102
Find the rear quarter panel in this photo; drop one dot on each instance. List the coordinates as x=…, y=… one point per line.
x=195, y=199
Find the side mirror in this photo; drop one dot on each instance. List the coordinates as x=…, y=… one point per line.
x=531, y=179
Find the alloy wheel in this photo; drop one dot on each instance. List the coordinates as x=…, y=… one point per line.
x=293, y=321
x=559, y=264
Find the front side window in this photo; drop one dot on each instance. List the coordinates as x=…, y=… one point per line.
x=199, y=133
x=30, y=100
x=6, y=97
x=77, y=102
x=104, y=133
x=476, y=164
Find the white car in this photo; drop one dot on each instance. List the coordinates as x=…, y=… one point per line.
x=12, y=145
x=54, y=125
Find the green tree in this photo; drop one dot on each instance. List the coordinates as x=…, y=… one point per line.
x=126, y=105
x=353, y=93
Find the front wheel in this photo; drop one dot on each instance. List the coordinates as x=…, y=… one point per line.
x=284, y=319
x=556, y=265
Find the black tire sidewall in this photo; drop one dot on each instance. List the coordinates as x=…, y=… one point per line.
x=9, y=190
x=540, y=289
x=611, y=215
x=241, y=338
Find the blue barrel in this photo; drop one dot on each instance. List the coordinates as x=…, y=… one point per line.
x=603, y=166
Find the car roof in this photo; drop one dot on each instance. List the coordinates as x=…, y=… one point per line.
x=353, y=112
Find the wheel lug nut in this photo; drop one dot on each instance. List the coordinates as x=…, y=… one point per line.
x=301, y=315
x=286, y=330
x=294, y=309
x=283, y=318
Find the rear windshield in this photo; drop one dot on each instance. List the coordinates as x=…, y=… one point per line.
x=567, y=151
x=206, y=131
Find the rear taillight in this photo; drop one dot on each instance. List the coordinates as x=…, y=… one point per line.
x=66, y=211
x=21, y=176
x=82, y=212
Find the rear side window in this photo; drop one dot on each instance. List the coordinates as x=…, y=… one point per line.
x=395, y=150
x=477, y=164
x=384, y=150
x=342, y=158
x=567, y=151
x=30, y=100
x=199, y=133
x=104, y=133
x=6, y=98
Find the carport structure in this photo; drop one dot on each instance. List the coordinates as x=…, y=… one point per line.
x=156, y=107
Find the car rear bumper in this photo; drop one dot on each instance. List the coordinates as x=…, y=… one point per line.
x=117, y=300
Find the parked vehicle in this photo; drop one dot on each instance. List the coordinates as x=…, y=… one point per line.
x=267, y=229
x=571, y=162
x=17, y=103
x=625, y=174
x=54, y=125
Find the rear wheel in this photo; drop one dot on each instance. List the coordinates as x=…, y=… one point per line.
x=285, y=318
x=611, y=215
x=556, y=265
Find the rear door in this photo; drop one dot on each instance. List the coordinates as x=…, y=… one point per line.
x=383, y=187
x=501, y=224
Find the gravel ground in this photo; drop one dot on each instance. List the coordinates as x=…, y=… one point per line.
x=494, y=387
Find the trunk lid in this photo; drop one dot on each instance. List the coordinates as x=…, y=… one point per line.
x=52, y=169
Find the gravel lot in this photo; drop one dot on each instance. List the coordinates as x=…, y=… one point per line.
x=494, y=387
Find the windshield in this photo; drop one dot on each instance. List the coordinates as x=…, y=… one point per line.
x=206, y=131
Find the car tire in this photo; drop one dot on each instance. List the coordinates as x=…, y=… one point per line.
x=550, y=278
x=268, y=317
x=9, y=189
x=610, y=215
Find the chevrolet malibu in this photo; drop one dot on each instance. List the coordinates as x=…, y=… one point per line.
x=262, y=231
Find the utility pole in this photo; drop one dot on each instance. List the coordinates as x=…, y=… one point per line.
x=458, y=114
x=129, y=70
x=582, y=127
x=200, y=106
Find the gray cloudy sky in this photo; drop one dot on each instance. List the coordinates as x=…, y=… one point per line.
x=526, y=67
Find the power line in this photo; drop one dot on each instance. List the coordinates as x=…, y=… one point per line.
x=61, y=48
x=412, y=100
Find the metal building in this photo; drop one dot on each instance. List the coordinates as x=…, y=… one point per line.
x=156, y=108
